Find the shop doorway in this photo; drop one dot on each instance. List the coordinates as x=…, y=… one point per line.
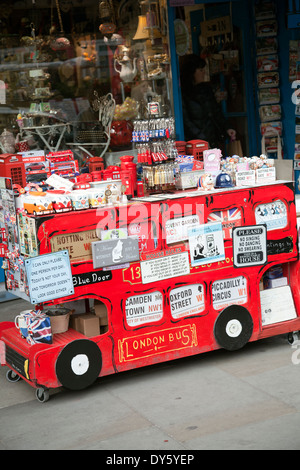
x=222, y=34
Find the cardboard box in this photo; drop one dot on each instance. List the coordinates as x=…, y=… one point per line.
x=89, y=325
x=101, y=312
x=33, y=156
x=74, y=320
x=278, y=282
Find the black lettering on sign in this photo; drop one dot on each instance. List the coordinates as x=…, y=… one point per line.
x=284, y=245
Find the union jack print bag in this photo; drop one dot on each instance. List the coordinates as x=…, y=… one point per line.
x=39, y=328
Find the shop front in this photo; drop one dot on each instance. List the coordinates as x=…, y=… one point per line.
x=251, y=50
x=59, y=60
x=133, y=240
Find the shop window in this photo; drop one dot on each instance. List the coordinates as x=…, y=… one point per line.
x=230, y=291
x=273, y=214
x=187, y=300
x=229, y=218
x=144, y=308
x=75, y=75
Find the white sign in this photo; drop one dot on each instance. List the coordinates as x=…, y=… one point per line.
x=144, y=308
x=165, y=267
x=49, y=277
x=229, y=291
x=249, y=245
x=277, y=305
x=206, y=244
x=265, y=175
x=177, y=229
x=187, y=300
x=58, y=182
x=273, y=214
x=245, y=178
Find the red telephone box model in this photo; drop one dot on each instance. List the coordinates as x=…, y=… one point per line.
x=194, y=286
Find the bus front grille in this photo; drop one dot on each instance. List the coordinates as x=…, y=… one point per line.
x=15, y=360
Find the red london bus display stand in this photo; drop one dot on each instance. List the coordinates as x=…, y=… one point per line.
x=159, y=278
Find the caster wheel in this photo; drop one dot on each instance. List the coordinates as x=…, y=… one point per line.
x=42, y=395
x=12, y=376
x=293, y=337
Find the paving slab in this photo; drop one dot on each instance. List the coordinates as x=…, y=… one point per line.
x=243, y=400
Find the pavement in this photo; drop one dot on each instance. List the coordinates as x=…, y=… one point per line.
x=243, y=400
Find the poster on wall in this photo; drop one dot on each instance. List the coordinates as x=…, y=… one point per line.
x=249, y=246
x=206, y=244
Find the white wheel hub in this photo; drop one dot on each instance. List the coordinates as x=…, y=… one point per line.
x=234, y=328
x=80, y=364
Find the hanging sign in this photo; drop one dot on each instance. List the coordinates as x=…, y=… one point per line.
x=249, y=246
x=49, y=277
x=115, y=252
x=216, y=27
x=181, y=37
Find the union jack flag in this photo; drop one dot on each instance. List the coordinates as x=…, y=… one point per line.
x=229, y=218
x=39, y=328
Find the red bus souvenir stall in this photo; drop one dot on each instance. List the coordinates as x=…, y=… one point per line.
x=161, y=277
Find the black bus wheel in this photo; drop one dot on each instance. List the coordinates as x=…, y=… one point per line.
x=233, y=327
x=79, y=364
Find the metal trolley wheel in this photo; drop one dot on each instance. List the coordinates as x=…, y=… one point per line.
x=42, y=394
x=233, y=327
x=79, y=364
x=12, y=376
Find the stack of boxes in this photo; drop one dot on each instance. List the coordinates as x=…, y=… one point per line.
x=93, y=323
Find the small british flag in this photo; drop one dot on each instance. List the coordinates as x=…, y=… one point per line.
x=229, y=218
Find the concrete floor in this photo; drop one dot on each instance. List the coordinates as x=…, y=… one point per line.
x=245, y=400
